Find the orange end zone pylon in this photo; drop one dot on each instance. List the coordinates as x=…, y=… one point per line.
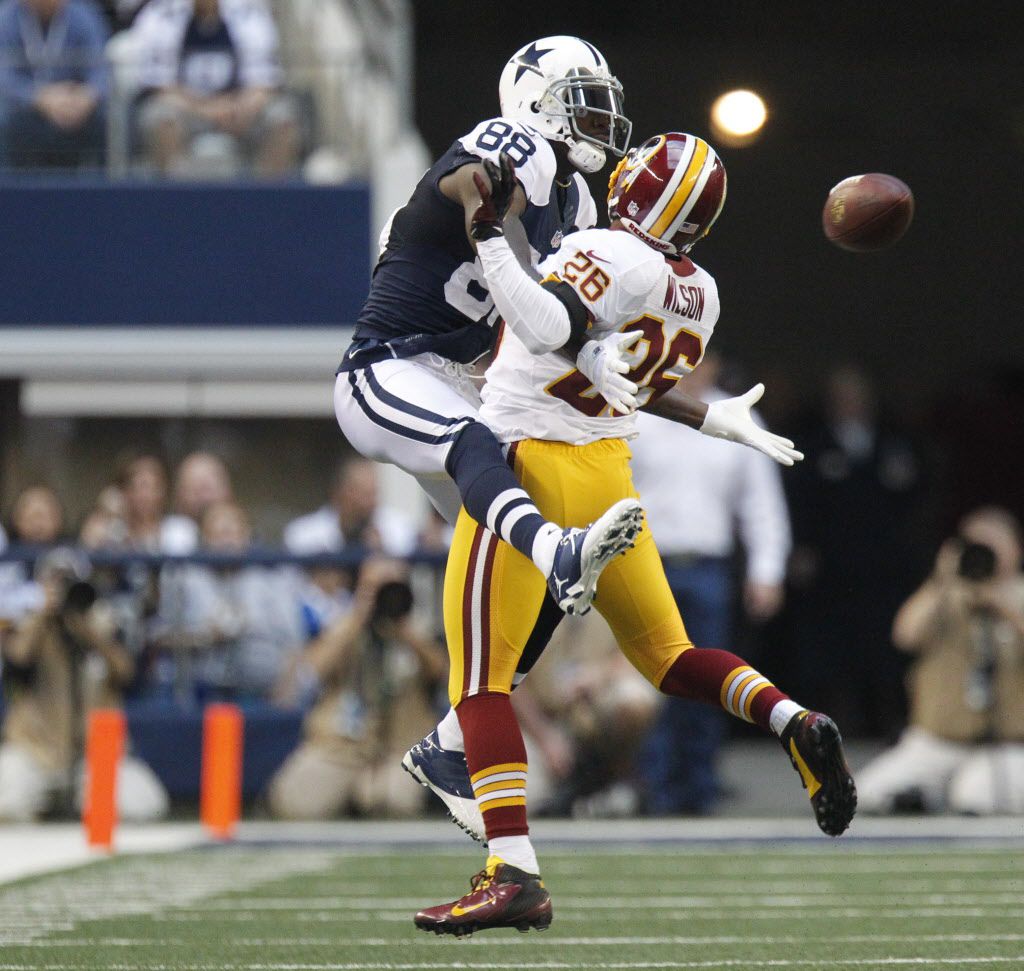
x=104, y=746
x=220, y=796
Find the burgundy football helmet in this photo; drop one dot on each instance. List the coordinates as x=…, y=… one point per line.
x=668, y=191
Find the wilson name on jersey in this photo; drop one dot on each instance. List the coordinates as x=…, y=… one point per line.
x=428, y=291
x=626, y=286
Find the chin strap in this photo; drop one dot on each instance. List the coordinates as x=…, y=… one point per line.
x=586, y=156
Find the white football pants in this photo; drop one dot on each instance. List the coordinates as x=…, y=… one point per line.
x=407, y=413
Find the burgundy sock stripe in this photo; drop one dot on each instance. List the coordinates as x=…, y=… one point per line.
x=483, y=680
x=467, y=611
x=476, y=613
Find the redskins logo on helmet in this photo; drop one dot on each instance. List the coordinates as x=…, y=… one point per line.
x=562, y=87
x=668, y=191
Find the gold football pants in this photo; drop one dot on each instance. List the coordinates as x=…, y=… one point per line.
x=493, y=594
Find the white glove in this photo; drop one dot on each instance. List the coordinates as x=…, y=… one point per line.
x=730, y=419
x=603, y=365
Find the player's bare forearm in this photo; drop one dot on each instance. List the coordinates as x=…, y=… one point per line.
x=460, y=187
x=676, y=405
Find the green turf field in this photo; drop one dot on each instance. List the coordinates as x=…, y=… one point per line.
x=678, y=906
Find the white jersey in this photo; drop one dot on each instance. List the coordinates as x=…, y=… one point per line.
x=625, y=285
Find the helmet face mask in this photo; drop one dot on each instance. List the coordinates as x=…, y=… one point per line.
x=669, y=191
x=580, y=97
x=561, y=86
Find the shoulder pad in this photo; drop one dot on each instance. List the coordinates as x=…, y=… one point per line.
x=637, y=266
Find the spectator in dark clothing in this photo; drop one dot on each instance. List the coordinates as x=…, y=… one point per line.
x=53, y=83
x=855, y=503
x=121, y=13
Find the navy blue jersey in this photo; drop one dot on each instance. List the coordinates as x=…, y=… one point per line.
x=209, y=60
x=428, y=291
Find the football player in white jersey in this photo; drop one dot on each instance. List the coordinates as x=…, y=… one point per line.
x=403, y=392
x=569, y=450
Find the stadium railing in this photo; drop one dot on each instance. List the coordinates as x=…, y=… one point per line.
x=167, y=732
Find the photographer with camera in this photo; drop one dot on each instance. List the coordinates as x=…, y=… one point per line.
x=60, y=662
x=374, y=677
x=964, y=747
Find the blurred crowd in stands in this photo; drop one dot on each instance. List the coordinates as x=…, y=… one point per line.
x=200, y=83
x=338, y=624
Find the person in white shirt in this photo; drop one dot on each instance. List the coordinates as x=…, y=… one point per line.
x=202, y=480
x=352, y=517
x=210, y=71
x=728, y=494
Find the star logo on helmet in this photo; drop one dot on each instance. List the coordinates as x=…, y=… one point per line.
x=528, y=60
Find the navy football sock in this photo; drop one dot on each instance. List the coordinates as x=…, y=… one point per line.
x=493, y=497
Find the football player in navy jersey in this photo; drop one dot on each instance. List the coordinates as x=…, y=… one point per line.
x=404, y=392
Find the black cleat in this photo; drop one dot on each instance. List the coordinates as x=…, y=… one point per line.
x=815, y=747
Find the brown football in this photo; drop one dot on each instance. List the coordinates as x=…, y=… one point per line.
x=867, y=212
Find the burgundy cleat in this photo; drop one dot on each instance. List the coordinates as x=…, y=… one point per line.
x=815, y=747
x=501, y=896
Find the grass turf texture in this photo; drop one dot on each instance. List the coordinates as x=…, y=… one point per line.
x=676, y=906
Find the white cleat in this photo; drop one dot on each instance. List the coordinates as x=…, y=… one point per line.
x=583, y=553
x=444, y=773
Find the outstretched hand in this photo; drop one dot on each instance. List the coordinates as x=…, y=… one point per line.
x=495, y=198
x=730, y=419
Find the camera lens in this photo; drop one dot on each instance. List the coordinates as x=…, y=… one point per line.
x=394, y=600
x=977, y=562
x=79, y=596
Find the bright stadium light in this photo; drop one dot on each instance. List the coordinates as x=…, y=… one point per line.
x=737, y=117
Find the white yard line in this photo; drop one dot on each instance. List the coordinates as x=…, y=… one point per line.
x=33, y=849
x=140, y=886
x=659, y=901
x=30, y=850
x=670, y=914
x=642, y=886
x=746, y=963
x=501, y=943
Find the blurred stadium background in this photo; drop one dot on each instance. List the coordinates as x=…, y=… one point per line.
x=168, y=338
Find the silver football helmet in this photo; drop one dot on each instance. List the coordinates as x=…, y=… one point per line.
x=562, y=87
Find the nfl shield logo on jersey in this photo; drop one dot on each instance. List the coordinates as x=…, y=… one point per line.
x=556, y=240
